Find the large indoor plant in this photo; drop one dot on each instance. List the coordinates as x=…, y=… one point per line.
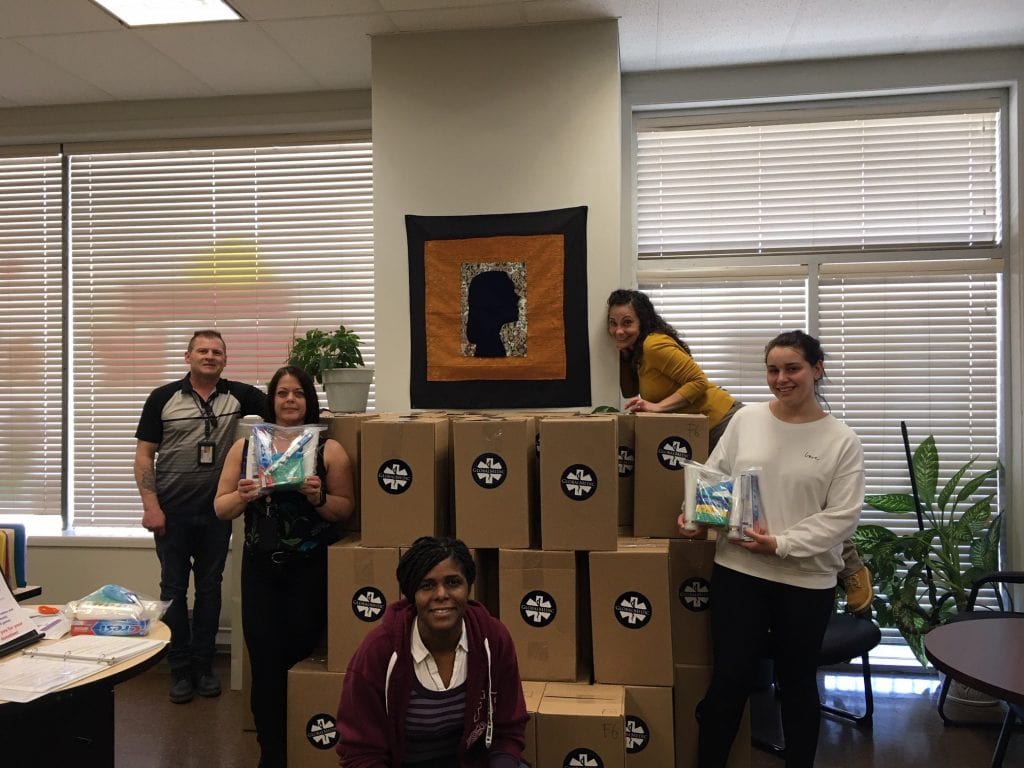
x=925, y=576
x=334, y=359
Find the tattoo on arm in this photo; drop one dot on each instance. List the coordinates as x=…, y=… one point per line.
x=147, y=481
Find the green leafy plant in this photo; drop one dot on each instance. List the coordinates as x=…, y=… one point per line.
x=319, y=350
x=924, y=577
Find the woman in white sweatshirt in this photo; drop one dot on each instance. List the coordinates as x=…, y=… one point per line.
x=779, y=587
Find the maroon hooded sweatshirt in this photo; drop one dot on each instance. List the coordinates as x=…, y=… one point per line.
x=379, y=680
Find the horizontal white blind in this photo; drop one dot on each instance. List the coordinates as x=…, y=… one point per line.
x=726, y=324
x=30, y=353
x=911, y=181
x=260, y=243
x=918, y=348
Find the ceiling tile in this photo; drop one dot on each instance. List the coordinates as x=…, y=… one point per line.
x=479, y=17
x=27, y=79
x=335, y=50
x=232, y=58
x=120, y=63
x=263, y=10
x=53, y=17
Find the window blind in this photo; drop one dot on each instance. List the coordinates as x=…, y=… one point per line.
x=258, y=242
x=853, y=184
x=31, y=352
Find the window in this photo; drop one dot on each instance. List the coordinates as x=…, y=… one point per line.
x=258, y=239
x=876, y=226
x=31, y=294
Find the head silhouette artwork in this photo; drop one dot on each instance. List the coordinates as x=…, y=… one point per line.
x=492, y=302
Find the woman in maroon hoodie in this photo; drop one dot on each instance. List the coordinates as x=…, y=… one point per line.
x=436, y=684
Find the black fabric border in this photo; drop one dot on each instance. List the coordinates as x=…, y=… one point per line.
x=574, y=390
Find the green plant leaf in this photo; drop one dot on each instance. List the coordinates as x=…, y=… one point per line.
x=926, y=470
x=891, y=502
x=971, y=487
x=951, y=485
x=977, y=516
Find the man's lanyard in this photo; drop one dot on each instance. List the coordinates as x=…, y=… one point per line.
x=206, y=412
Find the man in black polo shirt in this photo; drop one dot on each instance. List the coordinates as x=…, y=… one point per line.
x=184, y=434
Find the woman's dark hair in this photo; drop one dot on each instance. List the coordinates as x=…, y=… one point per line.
x=308, y=388
x=426, y=552
x=812, y=352
x=650, y=320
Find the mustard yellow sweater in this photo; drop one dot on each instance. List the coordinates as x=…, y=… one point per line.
x=666, y=368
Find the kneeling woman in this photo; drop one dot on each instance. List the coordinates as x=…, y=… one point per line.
x=436, y=683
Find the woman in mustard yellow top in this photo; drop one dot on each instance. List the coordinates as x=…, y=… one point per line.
x=656, y=371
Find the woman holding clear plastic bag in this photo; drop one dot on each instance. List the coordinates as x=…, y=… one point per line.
x=779, y=586
x=284, y=564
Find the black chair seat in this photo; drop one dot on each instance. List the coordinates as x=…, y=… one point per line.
x=847, y=637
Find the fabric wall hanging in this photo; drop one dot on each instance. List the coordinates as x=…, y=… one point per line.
x=498, y=310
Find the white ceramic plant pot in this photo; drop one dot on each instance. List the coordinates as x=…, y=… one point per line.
x=348, y=389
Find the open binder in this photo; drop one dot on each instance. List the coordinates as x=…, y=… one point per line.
x=99, y=649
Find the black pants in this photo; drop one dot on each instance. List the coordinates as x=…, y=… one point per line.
x=749, y=616
x=195, y=545
x=284, y=613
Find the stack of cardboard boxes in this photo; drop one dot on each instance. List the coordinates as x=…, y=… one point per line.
x=611, y=629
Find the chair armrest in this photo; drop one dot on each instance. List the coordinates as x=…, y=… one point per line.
x=995, y=577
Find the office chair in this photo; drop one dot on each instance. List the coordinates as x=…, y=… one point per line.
x=1006, y=609
x=846, y=637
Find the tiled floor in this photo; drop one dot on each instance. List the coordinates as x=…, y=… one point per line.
x=907, y=732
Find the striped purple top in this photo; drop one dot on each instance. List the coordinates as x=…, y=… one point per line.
x=433, y=724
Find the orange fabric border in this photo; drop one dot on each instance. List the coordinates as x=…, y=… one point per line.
x=544, y=258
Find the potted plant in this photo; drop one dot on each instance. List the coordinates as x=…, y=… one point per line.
x=958, y=541
x=334, y=359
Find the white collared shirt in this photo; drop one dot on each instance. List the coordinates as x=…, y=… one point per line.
x=426, y=667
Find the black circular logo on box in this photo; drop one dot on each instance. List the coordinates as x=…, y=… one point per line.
x=695, y=594
x=638, y=735
x=538, y=608
x=581, y=757
x=627, y=461
x=579, y=482
x=394, y=476
x=322, y=731
x=633, y=610
x=489, y=470
x=672, y=451
x=368, y=604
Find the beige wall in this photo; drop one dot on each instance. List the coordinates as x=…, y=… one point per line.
x=494, y=121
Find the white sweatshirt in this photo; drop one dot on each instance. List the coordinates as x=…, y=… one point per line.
x=812, y=490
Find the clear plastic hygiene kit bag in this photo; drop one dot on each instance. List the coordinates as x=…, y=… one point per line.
x=281, y=457
x=725, y=501
x=707, y=496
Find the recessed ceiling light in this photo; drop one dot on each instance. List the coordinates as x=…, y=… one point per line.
x=140, y=13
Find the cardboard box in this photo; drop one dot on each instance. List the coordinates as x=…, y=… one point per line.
x=690, y=564
x=540, y=607
x=626, y=423
x=313, y=696
x=630, y=606
x=533, y=692
x=581, y=725
x=649, y=727
x=346, y=428
x=662, y=441
x=403, y=479
x=495, y=473
x=579, y=483
x=360, y=584
x=691, y=683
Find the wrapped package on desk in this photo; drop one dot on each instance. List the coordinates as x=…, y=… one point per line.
x=114, y=610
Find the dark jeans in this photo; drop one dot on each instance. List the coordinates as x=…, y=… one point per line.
x=749, y=616
x=284, y=614
x=196, y=544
